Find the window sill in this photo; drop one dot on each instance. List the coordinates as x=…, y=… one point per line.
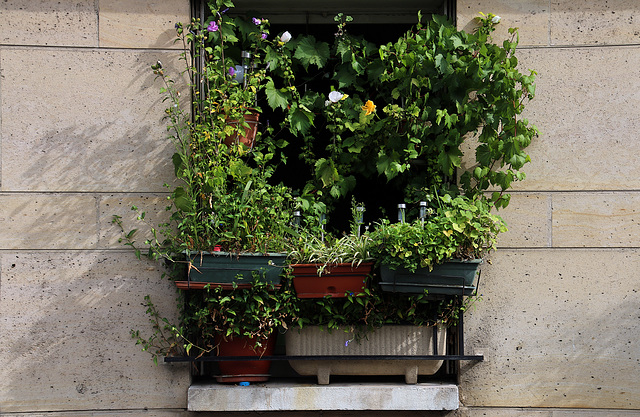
x=296, y=396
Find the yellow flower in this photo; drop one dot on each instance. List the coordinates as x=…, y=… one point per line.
x=369, y=107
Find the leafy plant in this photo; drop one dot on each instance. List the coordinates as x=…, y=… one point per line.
x=460, y=228
x=165, y=339
x=404, y=110
x=381, y=123
x=226, y=197
x=373, y=308
x=254, y=311
x=353, y=248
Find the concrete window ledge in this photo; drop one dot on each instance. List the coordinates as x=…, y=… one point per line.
x=292, y=396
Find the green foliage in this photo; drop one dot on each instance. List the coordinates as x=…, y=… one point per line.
x=459, y=228
x=397, y=115
x=166, y=338
x=430, y=91
x=374, y=308
x=225, y=197
x=255, y=311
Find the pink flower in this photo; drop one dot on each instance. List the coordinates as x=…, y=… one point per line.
x=213, y=26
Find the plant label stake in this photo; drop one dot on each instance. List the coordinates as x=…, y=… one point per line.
x=401, y=208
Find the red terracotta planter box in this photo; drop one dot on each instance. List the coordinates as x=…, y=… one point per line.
x=335, y=280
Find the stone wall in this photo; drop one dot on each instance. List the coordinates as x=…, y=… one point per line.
x=560, y=316
x=81, y=139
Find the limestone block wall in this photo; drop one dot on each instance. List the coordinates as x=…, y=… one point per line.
x=81, y=139
x=560, y=317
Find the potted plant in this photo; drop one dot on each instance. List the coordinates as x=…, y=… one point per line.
x=395, y=119
x=225, y=204
x=239, y=322
x=242, y=321
x=439, y=252
x=374, y=323
x=229, y=216
x=329, y=266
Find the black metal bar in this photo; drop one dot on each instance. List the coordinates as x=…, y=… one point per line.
x=460, y=332
x=435, y=340
x=323, y=358
x=475, y=293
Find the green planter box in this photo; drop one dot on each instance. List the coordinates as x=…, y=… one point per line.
x=450, y=278
x=226, y=268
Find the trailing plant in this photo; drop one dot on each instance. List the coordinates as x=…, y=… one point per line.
x=165, y=339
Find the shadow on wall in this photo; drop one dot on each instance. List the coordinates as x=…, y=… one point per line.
x=94, y=122
x=65, y=325
x=69, y=149
x=558, y=328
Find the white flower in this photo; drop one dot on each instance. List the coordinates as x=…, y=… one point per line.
x=327, y=103
x=335, y=96
x=495, y=20
x=286, y=37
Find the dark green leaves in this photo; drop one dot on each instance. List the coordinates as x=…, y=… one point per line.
x=311, y=52
x=277, y=98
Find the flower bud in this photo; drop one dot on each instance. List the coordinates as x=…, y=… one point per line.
x=286, y=37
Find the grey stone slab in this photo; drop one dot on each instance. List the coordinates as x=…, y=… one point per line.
x=528, y=218
x=106, y=413
x=611, y=22
x=141, y=23
x=282, y=396
x=588, y=111
x=88, y=120
x=65, y=320
x=48, y=221
x=596, y=219
x=49, y=22
x=557, y=328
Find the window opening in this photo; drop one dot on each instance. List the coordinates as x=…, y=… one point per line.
x=379, y=23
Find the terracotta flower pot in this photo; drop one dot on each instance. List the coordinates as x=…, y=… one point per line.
x=245, y=371
x=249, y=136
